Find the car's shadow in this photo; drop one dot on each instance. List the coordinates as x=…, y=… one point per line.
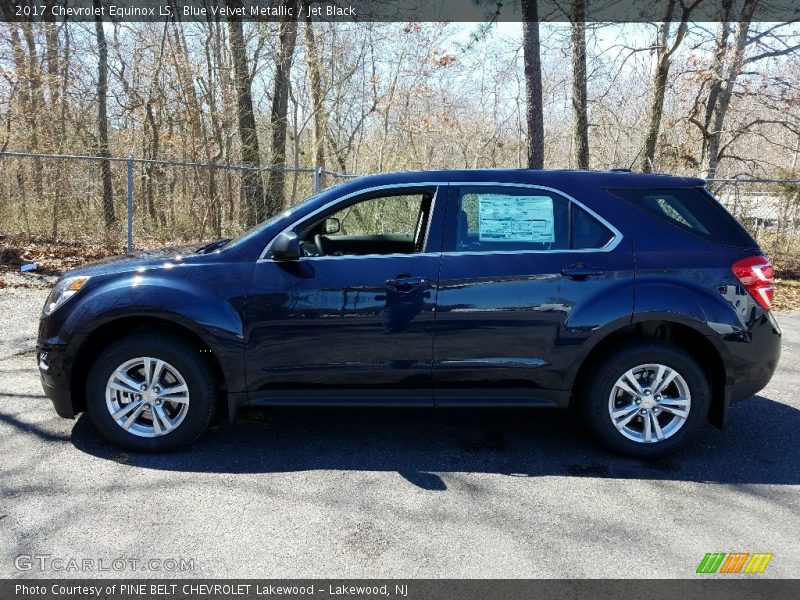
x=759, y=446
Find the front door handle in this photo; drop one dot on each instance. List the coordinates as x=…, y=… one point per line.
x=581, y=271
x=406, y=284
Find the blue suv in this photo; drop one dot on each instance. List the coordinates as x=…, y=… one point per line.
x=636, y=299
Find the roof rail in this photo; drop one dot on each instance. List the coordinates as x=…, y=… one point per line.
x=620, y=170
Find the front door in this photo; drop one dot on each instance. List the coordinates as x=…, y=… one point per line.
x=352, y=320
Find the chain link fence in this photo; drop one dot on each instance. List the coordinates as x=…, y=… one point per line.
x=57, y=196
x=61, y=196
x=770, y=210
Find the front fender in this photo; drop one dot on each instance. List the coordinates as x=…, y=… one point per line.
x=212, y=311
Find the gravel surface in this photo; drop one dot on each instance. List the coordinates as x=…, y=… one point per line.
x=389, y=493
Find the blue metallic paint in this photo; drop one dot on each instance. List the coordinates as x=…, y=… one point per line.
x=478, y=329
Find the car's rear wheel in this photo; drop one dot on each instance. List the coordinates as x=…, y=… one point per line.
x=151, y=393
x=646, y=399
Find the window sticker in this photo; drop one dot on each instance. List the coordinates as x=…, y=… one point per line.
x=515, y=218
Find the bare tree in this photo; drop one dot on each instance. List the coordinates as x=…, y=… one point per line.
x=729, y=59
x=253, y=209
x=315, y=79
x=580, y=99
x=534, y=114
x=665, y=46
x=102, y=120
x=287, y=38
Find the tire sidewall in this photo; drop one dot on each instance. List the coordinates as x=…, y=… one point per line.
x=192, y=368
x=607, y=374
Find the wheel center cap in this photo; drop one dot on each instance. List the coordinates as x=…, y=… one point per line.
x=648, y=402
x=148, y=396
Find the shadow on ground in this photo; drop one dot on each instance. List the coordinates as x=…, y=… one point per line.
x=420, y=443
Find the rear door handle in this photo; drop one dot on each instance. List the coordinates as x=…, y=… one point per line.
x=406, y=284
x=581, y=272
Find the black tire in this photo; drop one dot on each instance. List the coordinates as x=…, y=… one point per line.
x=180, y=354
x=597, y=389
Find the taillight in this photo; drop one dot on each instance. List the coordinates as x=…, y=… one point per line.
x=756, y=273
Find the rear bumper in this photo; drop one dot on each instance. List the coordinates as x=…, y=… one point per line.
x=751, y=360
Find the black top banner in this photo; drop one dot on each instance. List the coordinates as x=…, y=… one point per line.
x=614, y=11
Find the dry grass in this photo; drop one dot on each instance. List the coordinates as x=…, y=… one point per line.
x=51, y=258
x=787, y=294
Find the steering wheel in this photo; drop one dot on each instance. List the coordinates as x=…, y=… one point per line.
x=322, y=244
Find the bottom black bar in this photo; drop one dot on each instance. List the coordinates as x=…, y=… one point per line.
x=703, y=588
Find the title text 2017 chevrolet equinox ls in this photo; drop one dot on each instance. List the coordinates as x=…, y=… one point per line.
x=637, y=299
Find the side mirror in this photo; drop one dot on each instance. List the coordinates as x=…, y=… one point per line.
x=286, y=246
x=332, y=225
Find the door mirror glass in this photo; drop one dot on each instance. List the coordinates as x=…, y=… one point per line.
x=286, y=246
x=332, y=225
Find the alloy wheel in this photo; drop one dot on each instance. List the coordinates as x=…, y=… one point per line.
x=649, y=403
x=147, y=397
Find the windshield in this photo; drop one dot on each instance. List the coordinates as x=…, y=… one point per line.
x=271, y=221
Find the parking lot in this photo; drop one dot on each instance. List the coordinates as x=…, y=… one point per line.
x=388, y=492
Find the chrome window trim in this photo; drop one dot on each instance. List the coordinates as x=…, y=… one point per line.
x=609, y=247
x=362, y=256
x=265, y=254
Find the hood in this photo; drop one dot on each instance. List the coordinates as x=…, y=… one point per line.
x=141, y=259
x=139, y=255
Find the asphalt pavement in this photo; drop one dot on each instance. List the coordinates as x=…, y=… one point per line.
x=303, y=492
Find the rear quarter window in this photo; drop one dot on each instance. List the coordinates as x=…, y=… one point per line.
x=692, y=210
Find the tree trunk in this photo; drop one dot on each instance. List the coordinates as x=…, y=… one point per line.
x=102, y=120
x=315, y=79
x=718, y=106
x=664, y=51
x=533, y=83
x=252, y=204
x=280, y=106
x=580, y=110
x=57, y=125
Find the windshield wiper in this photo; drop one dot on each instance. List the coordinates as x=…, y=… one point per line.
x=216, y=245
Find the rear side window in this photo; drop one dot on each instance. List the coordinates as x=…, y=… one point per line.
x=692, y=210
x=588, y=232
x=523, y=219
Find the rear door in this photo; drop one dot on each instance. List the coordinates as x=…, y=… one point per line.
x=527, y=275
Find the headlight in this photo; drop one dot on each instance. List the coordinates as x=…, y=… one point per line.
x=63, y=291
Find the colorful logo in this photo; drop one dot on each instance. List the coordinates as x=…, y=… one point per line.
x=734, y=562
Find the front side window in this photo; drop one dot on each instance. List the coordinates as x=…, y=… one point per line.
x=492, y=219
x=396, y=215
x=389, y=223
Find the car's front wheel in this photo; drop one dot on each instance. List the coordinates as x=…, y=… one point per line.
x=646, y=399
x=151, y=393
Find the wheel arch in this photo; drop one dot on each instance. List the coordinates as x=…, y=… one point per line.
x=684, y=336
x=118, y=328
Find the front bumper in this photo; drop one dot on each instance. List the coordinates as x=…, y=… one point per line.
x=55, y=381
